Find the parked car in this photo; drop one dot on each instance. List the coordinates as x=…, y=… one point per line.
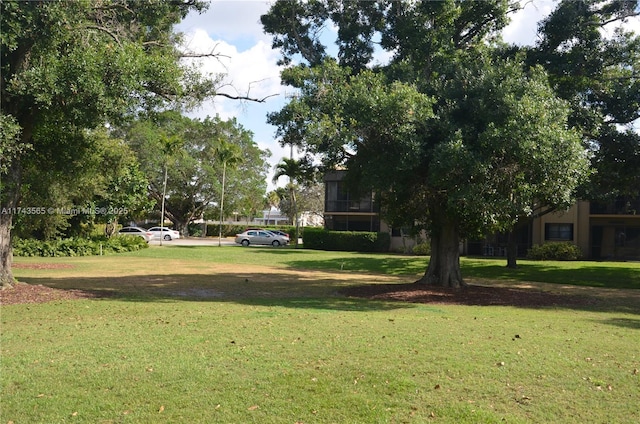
x=278, y=232
x=164, y=233
x=260, y=237
x=136, y=231
x=281, y=233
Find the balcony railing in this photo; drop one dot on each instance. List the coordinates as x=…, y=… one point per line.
x=622, y=206
x=362, y=206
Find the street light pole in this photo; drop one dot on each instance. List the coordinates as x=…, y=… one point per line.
x=224, y=172
x=164, y=194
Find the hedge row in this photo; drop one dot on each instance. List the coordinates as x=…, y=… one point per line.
x=321, y=239
x=565, y=251
x=77, y=246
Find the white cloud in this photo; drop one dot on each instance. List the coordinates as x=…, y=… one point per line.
x=252, y=72
x=631, y=24
x=522, y=30
x=523, y=27
x=235, y=20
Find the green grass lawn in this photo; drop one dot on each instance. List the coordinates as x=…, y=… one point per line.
x=235, y=335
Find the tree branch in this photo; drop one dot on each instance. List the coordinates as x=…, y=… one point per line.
x=107, y=31
x=212, y=53
x=232, y=97
x=199, y=55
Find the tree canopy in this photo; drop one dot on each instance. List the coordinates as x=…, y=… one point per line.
x=195, y=154
x=593, y=63
x=106, y=182
x=452, y=135
x=70, y=66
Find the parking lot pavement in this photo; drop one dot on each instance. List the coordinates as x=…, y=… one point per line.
x=200, y=241
x=196, y=241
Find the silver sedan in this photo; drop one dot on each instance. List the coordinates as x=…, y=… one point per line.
x=260, y=237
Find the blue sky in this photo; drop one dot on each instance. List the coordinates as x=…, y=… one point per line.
x=233, y=29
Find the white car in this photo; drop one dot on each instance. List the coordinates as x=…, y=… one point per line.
x=136, y=231
x=260, y=237
x=163, y=233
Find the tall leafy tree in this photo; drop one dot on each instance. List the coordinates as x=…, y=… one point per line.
x=309, y=201
x=122, y=194
x=68, y=66
x=110, y=187
x=196, y=155
x=448, y=134
x=594, y=63
x=246, y=180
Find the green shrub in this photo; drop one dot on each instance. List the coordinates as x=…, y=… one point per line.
x=124, y=244
x=98, y=245
x=565, y=251
x=289, y=229
x=422, y=249
x=351, y=241
x=228, y=230
x=195, y=230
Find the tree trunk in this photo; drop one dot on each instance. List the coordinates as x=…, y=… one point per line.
x=6, y=255
x=181, y=227
x=111, y=227
x=444, y=265
x=512, y=250
x=295, y=215
x=9, y=201
x=10, y=184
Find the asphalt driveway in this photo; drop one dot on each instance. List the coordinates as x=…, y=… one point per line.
x=196, y=241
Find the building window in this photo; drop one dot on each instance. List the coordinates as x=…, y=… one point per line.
x=352, y=223
x=558, y=232
x=338, y=199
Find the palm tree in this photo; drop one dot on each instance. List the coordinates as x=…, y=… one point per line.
x=228, y=154
x=298, y=171
x=272, y=200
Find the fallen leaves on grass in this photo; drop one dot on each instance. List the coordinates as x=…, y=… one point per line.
x=36, y=293
x=470, y=295
x=42, y=266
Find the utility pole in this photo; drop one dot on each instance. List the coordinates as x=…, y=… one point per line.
x=164, y=194
x=224, y=174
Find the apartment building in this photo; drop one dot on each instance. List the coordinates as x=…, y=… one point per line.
x=603, y=231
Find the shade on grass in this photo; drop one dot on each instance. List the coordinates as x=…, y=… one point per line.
x=278, y=343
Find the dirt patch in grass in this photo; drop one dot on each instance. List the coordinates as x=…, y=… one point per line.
x=470, y=295
x=490, y=293
x=37, y=293
x=42, y=266
x=267, y=282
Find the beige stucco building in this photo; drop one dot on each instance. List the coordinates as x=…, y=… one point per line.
x=603, y=231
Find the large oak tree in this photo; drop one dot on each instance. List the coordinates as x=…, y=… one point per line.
x=450, y=135
x=68, y=66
